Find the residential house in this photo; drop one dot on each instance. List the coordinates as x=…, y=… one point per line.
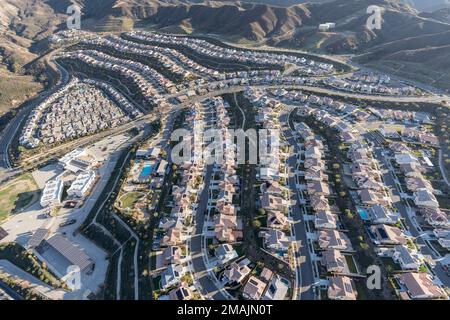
x=318, y=188
x=411, y=170
x=273, y=203
x=236, y=272
x=319, y=203
x=419, y=285
x=414, y=184
x=277, y=220
x=341, y=288
x=371, y=198
x=443, y=236
x=382, y=215
x=315, y=174
x=388, y=235
x=313, y=153
x=424, y=198
x=183, y=292
x=266, y=274
x=171, y=255
x=225, y=253
x=406, y=258
x=172, y=238
x=254, y=288
x=334, y=261
x=171, y=275
x=275, y=239
x=325, y=220
x=333, y=239
x=435, y=217
x=277, y=289
x=227, y=228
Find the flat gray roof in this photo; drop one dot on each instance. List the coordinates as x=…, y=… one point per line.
x=72, y=253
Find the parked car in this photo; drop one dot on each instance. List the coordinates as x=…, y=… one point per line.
x=67, y=223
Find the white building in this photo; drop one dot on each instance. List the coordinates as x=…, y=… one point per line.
x=77, y=160
x=52, y=193
x=405, y=158
x=424, y=198
x=327, y=26
x=382, y=215
x=82, y=184
x=64, y=161
x=225, y=253
x=407, y=259
x=277, y=289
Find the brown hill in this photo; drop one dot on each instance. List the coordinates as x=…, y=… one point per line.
x=406, y=37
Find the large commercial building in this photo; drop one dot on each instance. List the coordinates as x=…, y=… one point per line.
x=52, y=193
x=82, y=184
x=60, y=254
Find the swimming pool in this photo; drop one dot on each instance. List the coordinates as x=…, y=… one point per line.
x=363, y=214
x=146, y=171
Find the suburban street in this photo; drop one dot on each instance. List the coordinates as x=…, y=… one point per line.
x=201, y=272
x=406, y=213
x=303, y=254
x=129, y=168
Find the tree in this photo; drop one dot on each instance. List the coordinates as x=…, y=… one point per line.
x=257, y=223
x=348, y=213
x=364, y=246
x=262, y=212
x=389, y=268
x=423, y=268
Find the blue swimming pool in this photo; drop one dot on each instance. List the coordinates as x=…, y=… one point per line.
x=363, y=214
x=146, y=171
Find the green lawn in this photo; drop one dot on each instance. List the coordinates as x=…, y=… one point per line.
x=351, y=263
x=128, y=200
x=17, y=194
x=390, y=264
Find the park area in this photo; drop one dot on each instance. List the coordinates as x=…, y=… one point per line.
x=128, y=200
x=17, y=194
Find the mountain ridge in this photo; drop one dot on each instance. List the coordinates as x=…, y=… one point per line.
x=26, y=23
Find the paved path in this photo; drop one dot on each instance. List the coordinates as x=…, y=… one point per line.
x=201, y=274
x=242, y=111
x=302, y=255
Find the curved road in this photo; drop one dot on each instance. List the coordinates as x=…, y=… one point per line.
x=12, y=128
x=10, y=131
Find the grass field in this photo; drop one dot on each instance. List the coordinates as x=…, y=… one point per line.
x=128, y=200
x=17, y=194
